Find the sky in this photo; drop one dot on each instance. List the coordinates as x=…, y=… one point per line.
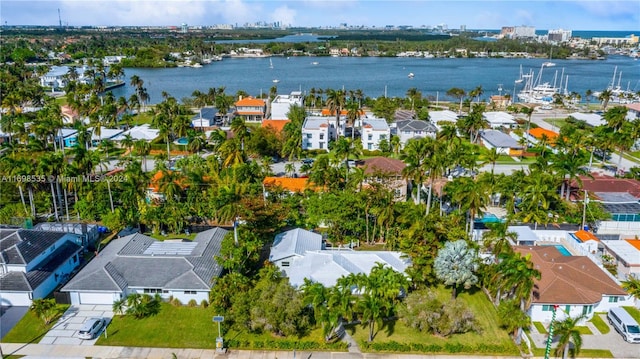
x=623, y=15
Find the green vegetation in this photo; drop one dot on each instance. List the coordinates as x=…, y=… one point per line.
x=634, y=312
x=540, y=327
x=600, y=324
x=31, y=328
x=584, y=353
x=556, y=122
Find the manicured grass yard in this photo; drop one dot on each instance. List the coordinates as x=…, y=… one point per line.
x=557, y=122
x=600, y=324
x=30, y=329
x=190, y=327
x=634, y=312
x=584, y=330
x=491, y=334
x=540, y=327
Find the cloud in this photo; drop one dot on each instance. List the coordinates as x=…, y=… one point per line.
x=284, y=15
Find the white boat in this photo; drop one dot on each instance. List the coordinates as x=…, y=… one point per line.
x=275, y=81
x=535, y=89
x=196, y=65
x=618, y=95
x=314, y=63
x=411, y=75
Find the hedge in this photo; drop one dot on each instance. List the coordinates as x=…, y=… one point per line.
x=284, y=344
x=451, y=348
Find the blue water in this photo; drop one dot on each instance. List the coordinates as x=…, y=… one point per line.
x=377, y=75
x=182, y=141
x=562, y=250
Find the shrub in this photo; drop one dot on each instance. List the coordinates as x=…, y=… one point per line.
x=175, y=302
x=192, y=303
x=204, y=304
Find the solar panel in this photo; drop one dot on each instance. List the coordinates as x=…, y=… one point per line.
x=170, y=248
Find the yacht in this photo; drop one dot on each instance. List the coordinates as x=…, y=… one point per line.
x=275, y=81
x=411, y=75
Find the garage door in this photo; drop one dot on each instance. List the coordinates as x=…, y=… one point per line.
x=96, y=298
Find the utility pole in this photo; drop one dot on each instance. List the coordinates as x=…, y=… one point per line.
x=584, y=208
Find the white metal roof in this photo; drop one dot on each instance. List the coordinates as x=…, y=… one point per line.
x=499, y=117
x=446, y=115
x=294, y=242
x=592, y=119
x=624, y=250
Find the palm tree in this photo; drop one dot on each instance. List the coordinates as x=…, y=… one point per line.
x=605, y=97
x=568, y=333
x=457, y=93
x=142, y=147
x=344, y=148
x=616, y=117
x=632, y=286
x=588, y=95
x=456, y=265
x=335, y=103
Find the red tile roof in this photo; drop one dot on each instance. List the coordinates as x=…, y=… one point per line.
x=568, y=279
x=584, y=236
x=250, y=102
x=383, y=164
x=287, y=183
x=609, y=184
x=539, y=131
x=277, y=125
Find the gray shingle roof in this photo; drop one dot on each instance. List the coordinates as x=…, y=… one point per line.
x=126, y=262
x=416, y=125
x=46, y=268
x=24, y=245
x=499, y=139
x=15, y=282
x=294, y=242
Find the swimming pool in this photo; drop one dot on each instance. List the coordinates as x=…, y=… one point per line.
x=182, y=141
x=565, y=252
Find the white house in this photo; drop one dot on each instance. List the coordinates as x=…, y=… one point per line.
x=327, y=266
x=525, y=236
x=55, y=78
x=106, y=134
x=586, y=240
x=591, y=119
x=33, y=263
x=292, y=245
x=573, y=283
x=626, y=253
x=503, y=143
x=441, y=118
x=282, y=103
x=374, y=130
x=499, y=119
x=252, y=109
x=318, y=131
x=141, y=264
x=205, y=119
x=410, y=129
x=142, y=132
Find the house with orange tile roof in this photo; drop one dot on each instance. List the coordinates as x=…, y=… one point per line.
x=290, y=184
x=252, y=109
x=573, y=283
x=586, y=240
x=535, y=135
x=277, y=125
x=154, y=193
x=626, y=253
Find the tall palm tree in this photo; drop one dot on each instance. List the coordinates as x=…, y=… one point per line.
x=568, y=333
x=632, y=286
x=457, y=93
x=142, y=148
x=335, y=103
x=605, y=97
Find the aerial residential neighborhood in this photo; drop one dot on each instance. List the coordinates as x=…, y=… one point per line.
x=173, y=191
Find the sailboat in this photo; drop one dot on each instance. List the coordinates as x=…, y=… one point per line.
x=270, y=64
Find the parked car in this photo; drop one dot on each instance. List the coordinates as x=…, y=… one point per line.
x=308, y=161
x=91, y=328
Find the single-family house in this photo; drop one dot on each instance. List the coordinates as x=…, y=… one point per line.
x=288, y=184
x=292, y=245
x=626, y=253
x=55, y=78
x=633, y=111
x=374, y=130
x=318, y=131
x=410, y=129
x=276, y=125
x=137, y=263
x=33, y=263
x=574, y=283
x=67, y=136
x=106, y=134
x=442, y=118
x=539, y=134
x=591, y=119
x=500, y=101
x=388, y=172
x=327, y=266
x=252, y=109
x=88, y=233
x=525, y=236
x=499, y=119
x=142, y=132
x=585, y=240
x=282, y=103
x=503, y=143
x=206, y=118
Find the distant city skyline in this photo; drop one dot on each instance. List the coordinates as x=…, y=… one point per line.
x=622, y=15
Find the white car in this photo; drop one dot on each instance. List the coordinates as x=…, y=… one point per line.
x=91, y=328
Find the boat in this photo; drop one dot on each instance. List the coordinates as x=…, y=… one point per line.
x=618, y=95
x=314, y=63
x=535, y=90
x=196, y=65
x=411, y=75
x=275, y=81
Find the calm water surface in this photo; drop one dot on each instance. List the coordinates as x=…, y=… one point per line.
x=375, y=75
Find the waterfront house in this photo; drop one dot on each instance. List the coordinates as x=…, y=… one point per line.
x=184, y=270
x=291, y=245
x=590, y=119
x=206, y=119
x=318, y=131
x=574, y=283
x=282, y=103
x=388, y=172
x=409, y=129
x=252, y=109
x=499, y=101
x=33, y=263
x=374, y=130
x=106, y=134
x=55, y=78
x=503, y=143
x=499, y=119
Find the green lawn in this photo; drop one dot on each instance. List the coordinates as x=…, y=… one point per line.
x=584, y=353
x=634, y=312
x=540, y=327
x=491, y=336
x=600, y=324
x=584, y=330
x=30, y=329
x=192, y=327
x=557, y=122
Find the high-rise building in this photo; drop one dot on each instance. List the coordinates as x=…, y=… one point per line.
x=559, y=35
x=184, y=28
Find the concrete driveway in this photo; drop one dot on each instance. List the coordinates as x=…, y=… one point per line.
x=65, y=331
x=611, y=341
